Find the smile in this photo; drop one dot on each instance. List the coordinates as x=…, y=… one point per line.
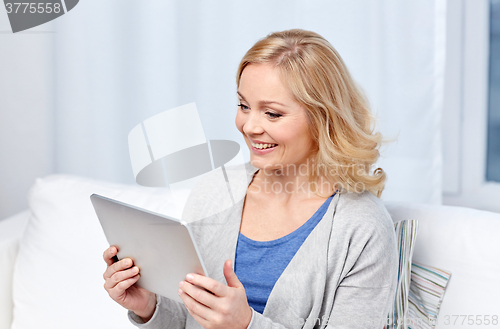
x=263, y=146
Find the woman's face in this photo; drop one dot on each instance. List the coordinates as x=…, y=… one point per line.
x=274, y=125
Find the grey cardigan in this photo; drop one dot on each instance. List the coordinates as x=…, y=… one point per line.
x=343, y=276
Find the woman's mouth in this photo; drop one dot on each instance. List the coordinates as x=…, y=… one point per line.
x=263, y=148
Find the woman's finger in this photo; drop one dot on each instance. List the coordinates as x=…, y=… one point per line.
x=117, y=277
x=199, y=294
x=109, y=255
x=209, y=284
x=120, y=288
x=118, y=266
x=200, y=312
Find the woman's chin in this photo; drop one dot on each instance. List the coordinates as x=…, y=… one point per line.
x=260, y=163
x=265, y=164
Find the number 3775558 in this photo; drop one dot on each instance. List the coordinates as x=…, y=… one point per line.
x=33, y=7
x=471, y=320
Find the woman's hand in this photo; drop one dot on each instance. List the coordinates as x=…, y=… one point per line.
x=120, y=278
x=215, y=305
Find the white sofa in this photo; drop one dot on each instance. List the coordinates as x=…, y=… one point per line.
x=51, y=266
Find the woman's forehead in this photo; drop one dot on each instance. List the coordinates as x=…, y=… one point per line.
x=262, y=83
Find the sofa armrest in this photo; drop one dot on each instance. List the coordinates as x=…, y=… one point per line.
x=11, y=230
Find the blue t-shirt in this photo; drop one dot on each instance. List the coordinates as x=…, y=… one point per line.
x=259, y=264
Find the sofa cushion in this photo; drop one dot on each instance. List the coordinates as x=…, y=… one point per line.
x=406, y=233
x=428, y=285
x=58, y=279
x=11, y=230
x=465, y=242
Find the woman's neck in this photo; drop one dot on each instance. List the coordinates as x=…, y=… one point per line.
x=283, y=183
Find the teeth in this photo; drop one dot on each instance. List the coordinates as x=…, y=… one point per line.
x=263, y=146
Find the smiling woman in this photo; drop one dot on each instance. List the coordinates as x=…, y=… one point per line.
x=307, y=251
x=271, y=121
x=311, y=75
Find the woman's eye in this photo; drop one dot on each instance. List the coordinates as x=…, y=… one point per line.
x=243, y=107
x=273, y=115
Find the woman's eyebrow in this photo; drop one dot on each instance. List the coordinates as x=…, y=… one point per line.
x=271, y=102
x=262, y=102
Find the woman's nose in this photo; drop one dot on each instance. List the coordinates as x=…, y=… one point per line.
x=253, y=124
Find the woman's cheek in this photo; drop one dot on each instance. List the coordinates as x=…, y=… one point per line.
x=239, y=122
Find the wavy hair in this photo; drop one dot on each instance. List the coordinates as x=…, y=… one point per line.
x=339, y=117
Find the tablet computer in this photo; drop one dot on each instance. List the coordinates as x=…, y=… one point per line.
x=162, y=247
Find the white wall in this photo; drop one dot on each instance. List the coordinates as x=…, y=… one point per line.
x=112, y=64
x=26, y=122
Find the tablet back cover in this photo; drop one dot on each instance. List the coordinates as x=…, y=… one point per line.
x=162, y=247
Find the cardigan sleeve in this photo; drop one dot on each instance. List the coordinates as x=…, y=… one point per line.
x=365, y=295
x=168, y=314
x=368, y=282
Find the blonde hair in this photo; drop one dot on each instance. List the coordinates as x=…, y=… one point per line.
x=338, y=113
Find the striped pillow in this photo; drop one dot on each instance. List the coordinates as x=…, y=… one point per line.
x=427, y=288
x=406, y=232
x=420, y=288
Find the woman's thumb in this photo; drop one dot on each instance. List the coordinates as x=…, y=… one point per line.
x=231, y=278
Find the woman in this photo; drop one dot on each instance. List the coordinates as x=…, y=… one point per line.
x=311, y=242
